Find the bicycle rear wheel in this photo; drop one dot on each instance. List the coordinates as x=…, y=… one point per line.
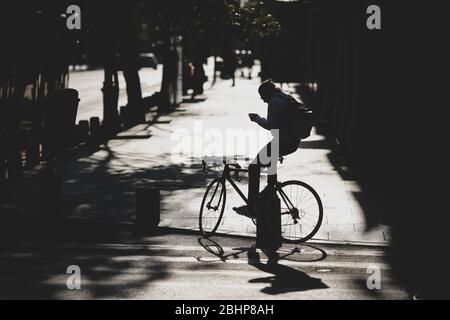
x=301, y=211
x=212, y=208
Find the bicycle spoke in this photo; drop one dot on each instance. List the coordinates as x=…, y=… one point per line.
x=297, y=225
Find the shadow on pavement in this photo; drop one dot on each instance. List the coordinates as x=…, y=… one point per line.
x=283, y=279
x=399, y=170
x=325, y=144
x=297, y=253
x=193, y=100
x=34, y=257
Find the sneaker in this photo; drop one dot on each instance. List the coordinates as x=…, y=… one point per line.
x=244, y=211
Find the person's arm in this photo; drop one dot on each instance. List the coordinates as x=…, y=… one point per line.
x=262, y=122
x=273, y=116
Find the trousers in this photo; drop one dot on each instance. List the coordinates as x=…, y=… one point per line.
x=254, y=170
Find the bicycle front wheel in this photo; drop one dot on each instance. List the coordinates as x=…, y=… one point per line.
x=212, y=208
x=301, y=211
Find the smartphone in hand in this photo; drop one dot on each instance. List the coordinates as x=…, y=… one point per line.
x=253, y=116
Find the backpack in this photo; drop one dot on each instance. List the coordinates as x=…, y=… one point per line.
x=301, y=119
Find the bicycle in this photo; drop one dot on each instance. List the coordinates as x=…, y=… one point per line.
x=300, y=221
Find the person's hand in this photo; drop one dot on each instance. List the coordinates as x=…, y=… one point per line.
x=253, y=117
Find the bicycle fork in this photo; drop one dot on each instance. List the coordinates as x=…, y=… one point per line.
x=208, y=205
x=291, y=209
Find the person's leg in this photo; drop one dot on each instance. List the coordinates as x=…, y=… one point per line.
x=263, y=159
x=287, y=149
x=271, y=158
x=254, y=173
x=284, y=150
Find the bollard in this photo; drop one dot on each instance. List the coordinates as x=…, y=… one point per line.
x=95, y=128
x=268, y=226
x=14, y=165
x=50, y=196
x=73, y=141
x=60, y=116
x=76, y=139
x=147, y=209
x=83, y=130
x=32, y=153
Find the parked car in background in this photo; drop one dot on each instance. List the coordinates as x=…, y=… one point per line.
x=148, y=60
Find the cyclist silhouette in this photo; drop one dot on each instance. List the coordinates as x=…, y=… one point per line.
x=278, y=118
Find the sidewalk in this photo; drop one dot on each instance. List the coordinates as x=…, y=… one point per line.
x=100, y=184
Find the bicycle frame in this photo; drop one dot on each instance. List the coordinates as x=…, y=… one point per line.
x=287, y=207
x=227, y=176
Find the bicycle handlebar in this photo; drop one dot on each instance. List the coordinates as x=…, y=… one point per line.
x=237, y=168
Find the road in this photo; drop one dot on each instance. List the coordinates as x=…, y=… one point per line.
x=89, y=84
x=176, y=264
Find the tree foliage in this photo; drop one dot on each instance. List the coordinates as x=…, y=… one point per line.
x=214, y=20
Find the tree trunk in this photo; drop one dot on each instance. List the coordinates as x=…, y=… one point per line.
x=129, y=59
x=171, y=86
x=134, y=92
x=110, y=100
